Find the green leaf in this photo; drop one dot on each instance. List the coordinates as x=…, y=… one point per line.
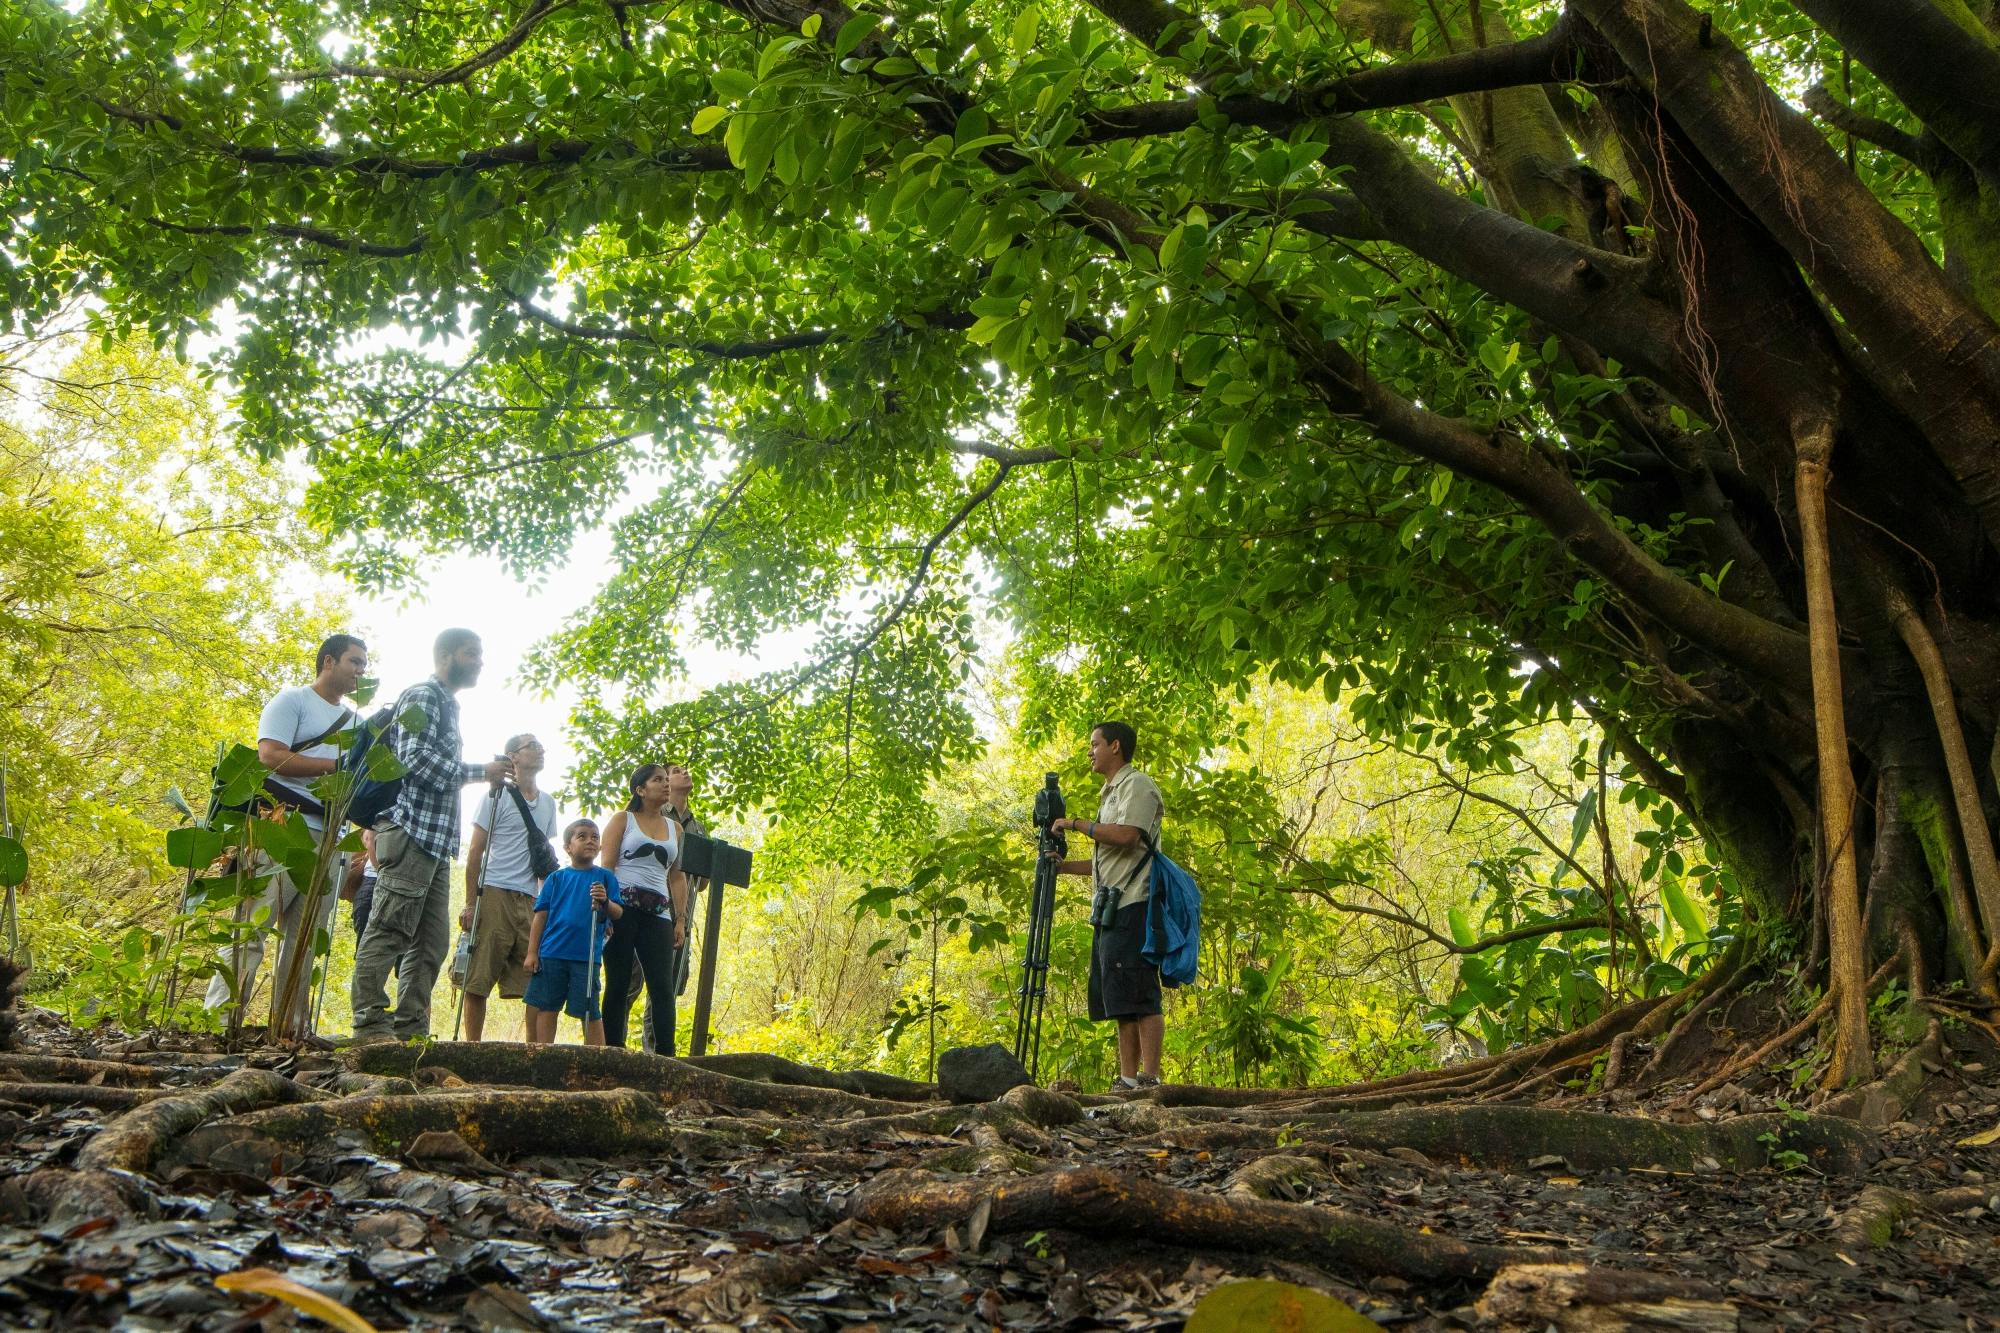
x=732, y=85
x=1686, y=912
x=383, y=765
x=13, y=863
x=854, y=32
x=709, y=117
x=1026, y=26
x=1261, y=1305
x=193, y=848
x=1462, y=933
x=1580, y=822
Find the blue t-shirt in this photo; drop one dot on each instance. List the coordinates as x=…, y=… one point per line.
x=565, y=896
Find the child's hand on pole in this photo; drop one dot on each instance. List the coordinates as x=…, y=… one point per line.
x=597, y=898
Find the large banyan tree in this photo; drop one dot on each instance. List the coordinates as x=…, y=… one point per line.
x=1471, y=360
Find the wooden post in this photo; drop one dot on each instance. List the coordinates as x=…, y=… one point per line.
x=721, y=864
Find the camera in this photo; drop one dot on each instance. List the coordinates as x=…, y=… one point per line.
x=1048, y=809
x=1048, y=804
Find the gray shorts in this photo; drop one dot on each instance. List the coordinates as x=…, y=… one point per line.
x=1122, y=984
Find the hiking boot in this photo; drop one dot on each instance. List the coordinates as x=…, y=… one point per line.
x=364, y=1039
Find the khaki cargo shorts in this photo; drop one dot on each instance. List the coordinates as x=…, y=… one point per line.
x=500, y=946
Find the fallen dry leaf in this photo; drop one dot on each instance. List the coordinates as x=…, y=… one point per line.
x=266, y=1282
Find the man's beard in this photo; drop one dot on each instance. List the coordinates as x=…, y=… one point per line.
x=458, y=675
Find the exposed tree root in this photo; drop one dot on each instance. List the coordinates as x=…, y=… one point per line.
x=135, y=1140
x=1107, y=1203
x=59, y=1199
x=1487, y=1073
x=1783, y=1039
x=1715, y=987
x=60, y=1069
x=431, y=1194
x=1871, y=1221
x=580, y=1068
x=741, y=1286
x=79, y=1094
x=1883, y=1102
x=776, y=1069
x=1502, y=1135
x=1019, y=1116
x=1273, y=1176
x=1528, y=1298
x=360, y=1085
x=606, y=1123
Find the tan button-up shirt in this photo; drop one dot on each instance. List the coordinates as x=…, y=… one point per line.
x=1129, y=798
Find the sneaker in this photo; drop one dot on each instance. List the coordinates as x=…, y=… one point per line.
x=1125, y=1083
x=1147, y=1081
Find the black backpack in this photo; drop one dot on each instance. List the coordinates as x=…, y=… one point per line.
x=377, y=772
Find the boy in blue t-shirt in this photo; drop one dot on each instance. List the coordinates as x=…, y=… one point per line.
x=562, y=956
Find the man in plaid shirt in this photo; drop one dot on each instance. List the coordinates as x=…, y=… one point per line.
x=409, y=926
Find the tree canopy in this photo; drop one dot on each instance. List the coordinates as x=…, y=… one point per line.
x=1482, y=361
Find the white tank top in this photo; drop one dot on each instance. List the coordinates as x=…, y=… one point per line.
x=645, y=872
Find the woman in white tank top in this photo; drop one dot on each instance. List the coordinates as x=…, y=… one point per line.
x=642, y=846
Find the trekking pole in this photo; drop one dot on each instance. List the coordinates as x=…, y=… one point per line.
x=326, y=969
x=478, y=901
x=590, y=979
x=13, y=910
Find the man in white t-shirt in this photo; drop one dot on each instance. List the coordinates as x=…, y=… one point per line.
x=500, y=878
x=295, y=742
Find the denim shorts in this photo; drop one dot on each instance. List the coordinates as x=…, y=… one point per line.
x=564, y=983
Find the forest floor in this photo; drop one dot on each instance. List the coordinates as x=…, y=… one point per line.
x=824, y=1209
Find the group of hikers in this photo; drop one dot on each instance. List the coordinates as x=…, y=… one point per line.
x=539, y=930
x=535, y=929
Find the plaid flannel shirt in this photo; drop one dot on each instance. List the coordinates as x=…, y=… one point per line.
x=427, y=806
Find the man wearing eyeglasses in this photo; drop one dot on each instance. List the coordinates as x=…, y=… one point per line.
x=500, y=879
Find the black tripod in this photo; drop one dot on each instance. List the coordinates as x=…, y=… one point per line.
x=1049, y=849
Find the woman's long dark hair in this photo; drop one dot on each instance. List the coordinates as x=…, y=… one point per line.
x=640, y=777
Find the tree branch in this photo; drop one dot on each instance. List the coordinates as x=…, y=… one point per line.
x=520, y=153
x=1549, y=57
x=1875, y=271
x=1869, y=129
x=1944, y=69
x=539, y=460
x=523, y=27
x=1595, y=921
x=320, y=236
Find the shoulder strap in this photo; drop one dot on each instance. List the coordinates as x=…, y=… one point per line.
x=347, y=719
x=527, y=812
x=1144, y=861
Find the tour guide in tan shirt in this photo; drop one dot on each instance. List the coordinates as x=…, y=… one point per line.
x=1122, y=985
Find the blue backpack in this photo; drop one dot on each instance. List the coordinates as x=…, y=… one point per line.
x=1173, y=919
